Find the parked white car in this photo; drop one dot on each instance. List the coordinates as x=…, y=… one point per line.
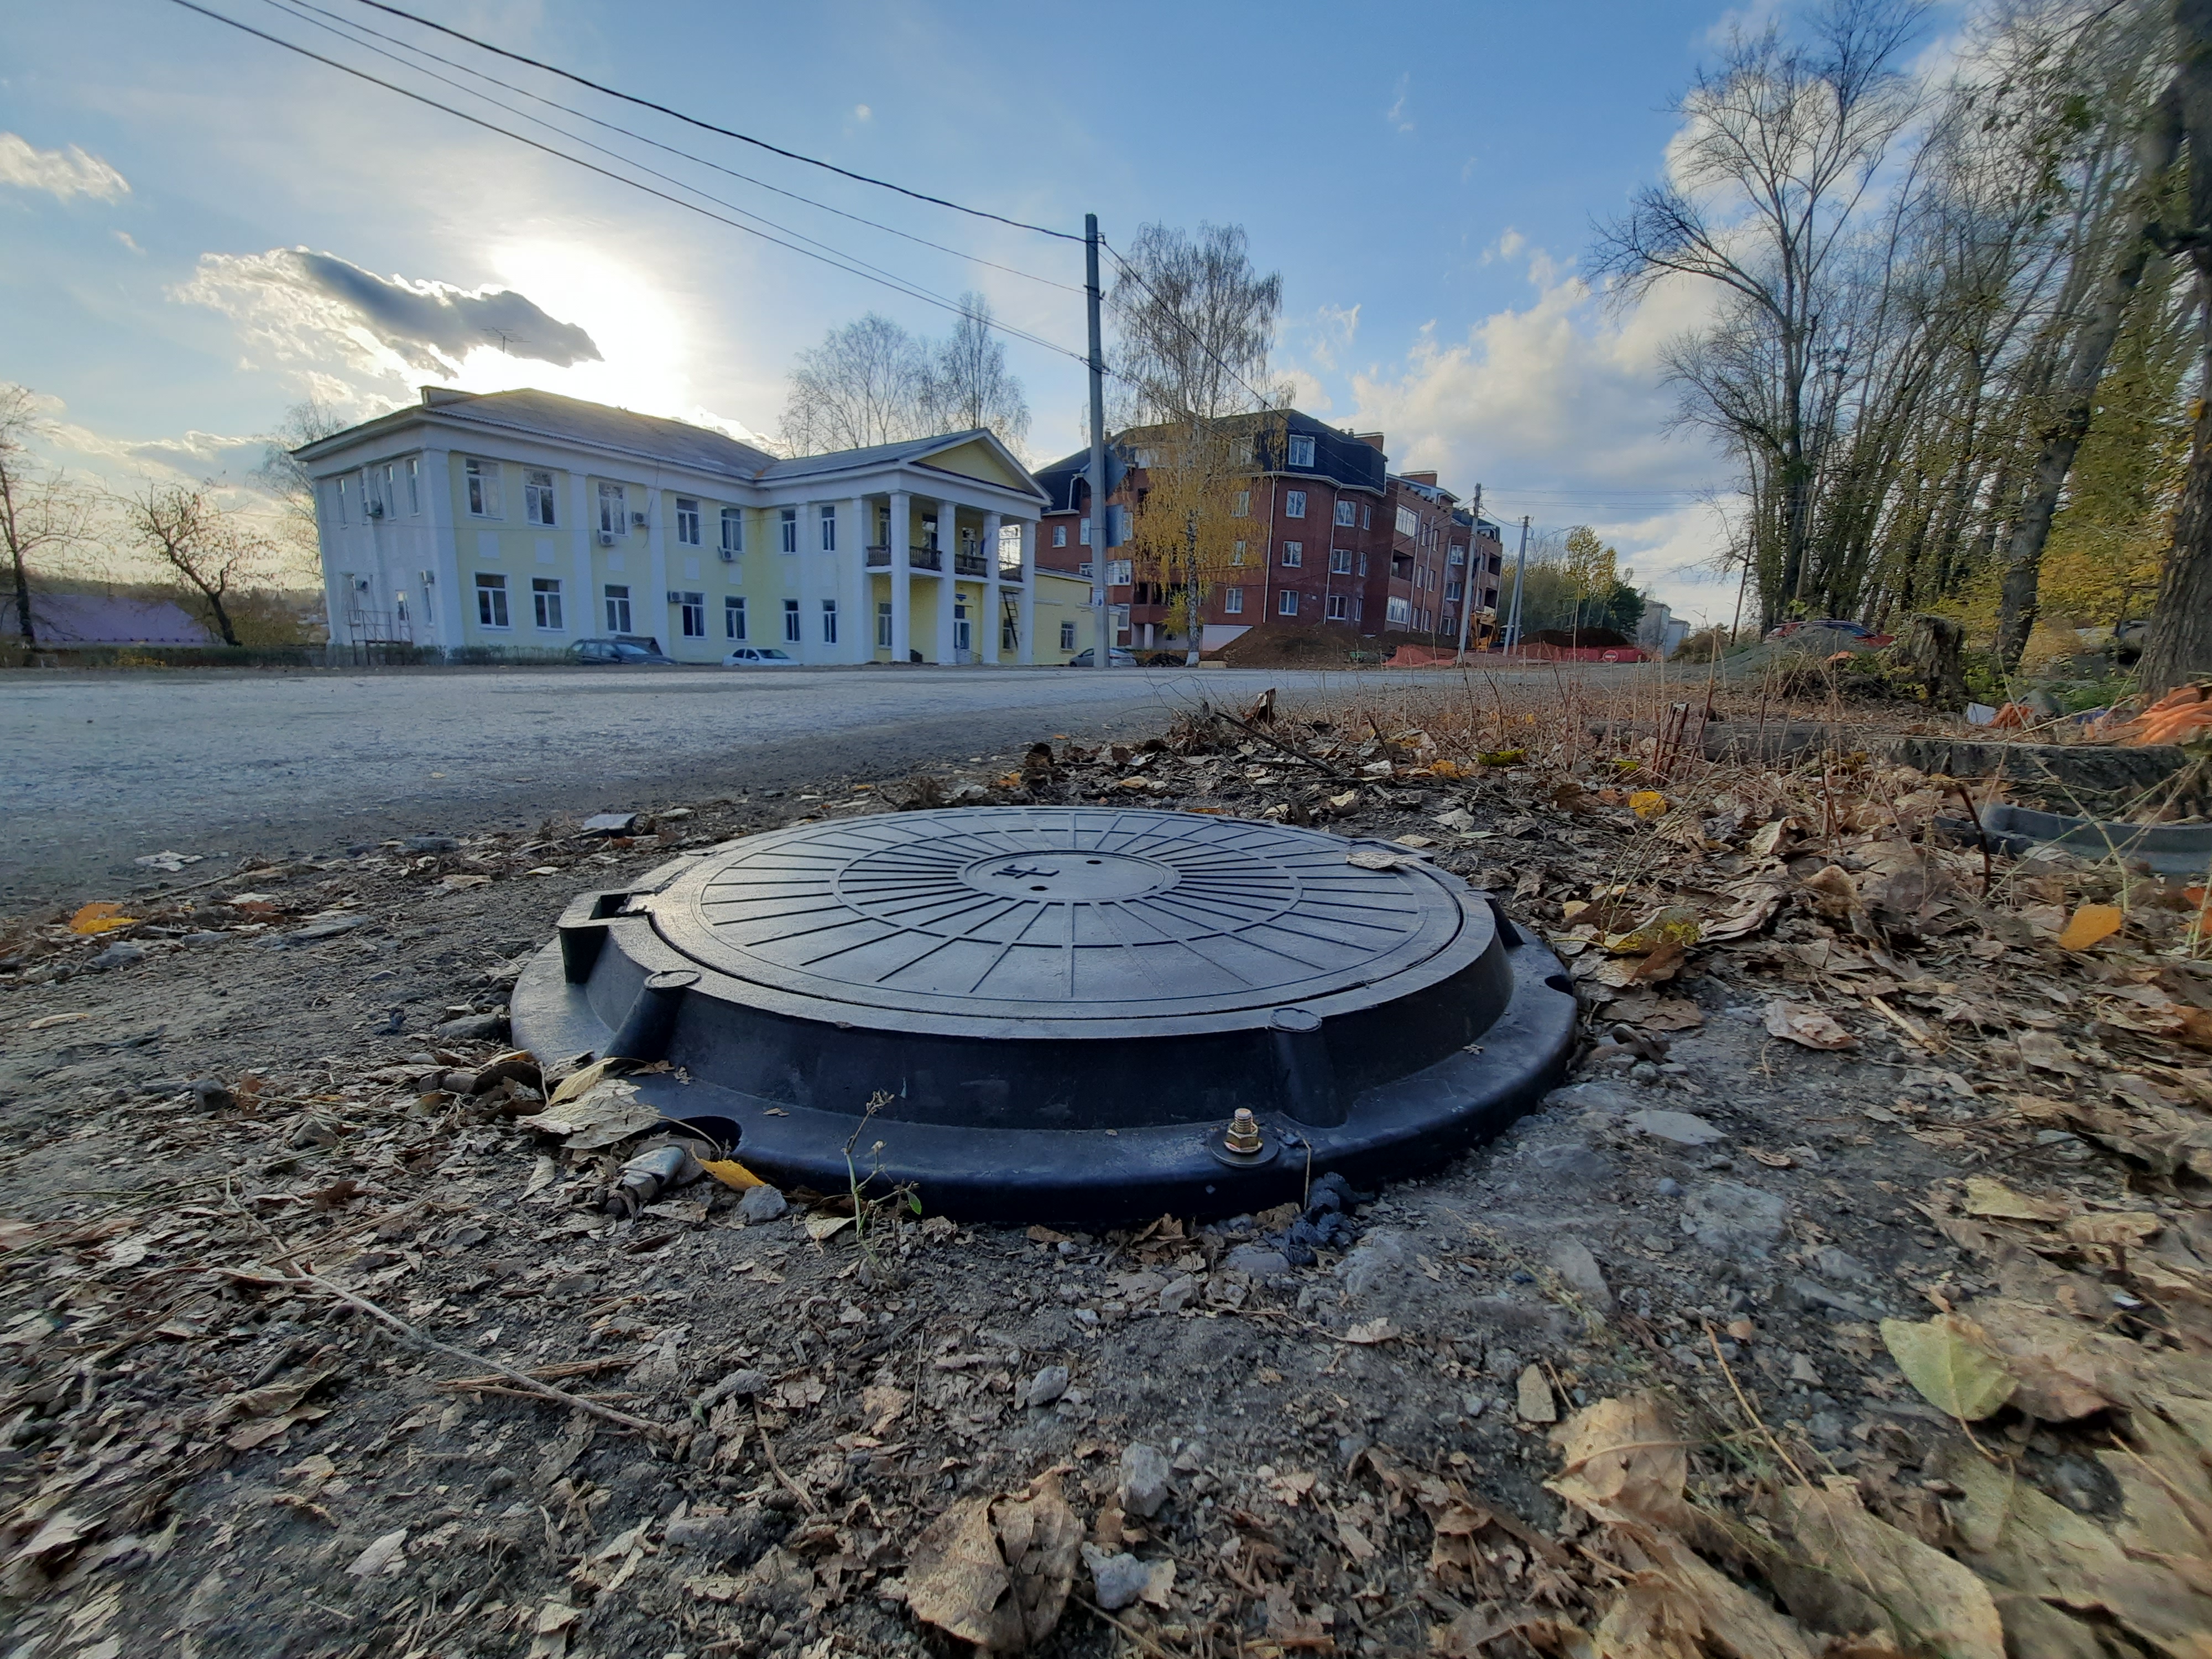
x=759, y=656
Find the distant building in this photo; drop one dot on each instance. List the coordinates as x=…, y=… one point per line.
x=63, y=620
x=526, y=520
x=1659, y=632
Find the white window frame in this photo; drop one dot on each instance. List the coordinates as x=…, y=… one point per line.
x=883, y=625
x=1083, y=534
x=787, y=520
x=1120, y=573
x=1237, y=554
x=1241, y=506
x=687, y=531
x=617, y=608
x=1233, y=601
x=1409, y=522
x=1366, y=515
x=1294, y=555
x=1060, y=535
x=1398, y=611
x=1294, y=503
x=829, y=517
x=792, y=628
x=1286, y=603
x=733, y=616
x=733, y=530
x=1458, y=555
x=491, y=601
x=480, y=487
x=538, y=493
x=1340, y=608
x=691, y=621
x=1347, y=511
x=1302, y=449
x=1067, y=636
x=414, y=487
x=614, y=509
x=546, y=606
x=829, y=622
x=1339, y=561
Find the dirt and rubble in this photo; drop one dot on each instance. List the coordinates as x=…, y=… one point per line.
x=1852, y=1295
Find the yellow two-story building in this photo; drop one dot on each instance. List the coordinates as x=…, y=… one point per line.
x=524, y=522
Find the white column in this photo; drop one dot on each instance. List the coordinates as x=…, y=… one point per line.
x=901, y=576
x=948, y=546
x=856, y=620
x=808, y=647
x=1025, y=627
x=991, y=597
x=444, y=552
x=582, y=612
x=656, y=599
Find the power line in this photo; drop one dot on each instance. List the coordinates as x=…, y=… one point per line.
x=1132, y=273
x=836, y=262
x=708, y=126
x=903, y=283
x=337, y=24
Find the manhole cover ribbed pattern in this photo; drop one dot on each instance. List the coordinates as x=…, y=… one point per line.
x=1060, y=914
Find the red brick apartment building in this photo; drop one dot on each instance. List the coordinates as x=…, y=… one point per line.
x=1335, y=540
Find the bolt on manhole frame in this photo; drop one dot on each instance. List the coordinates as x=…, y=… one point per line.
x=788, y=977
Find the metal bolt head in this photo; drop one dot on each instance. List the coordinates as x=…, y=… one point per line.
x=1243, y=1135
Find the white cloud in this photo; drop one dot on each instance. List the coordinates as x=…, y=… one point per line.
x=1509, y=244
x=130, y=241
x=1398, y=115
x=1559, y=407
x=1324, y=335
x=862, y=113
x=60, y=173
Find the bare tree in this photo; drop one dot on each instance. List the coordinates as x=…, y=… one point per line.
x=968, y=386
x=43, y=515
x=280, y=473
x=1195, y=323
x=211, y=554
x=1780, y=144
x=864, y=383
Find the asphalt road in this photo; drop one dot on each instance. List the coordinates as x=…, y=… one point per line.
x=105, y=768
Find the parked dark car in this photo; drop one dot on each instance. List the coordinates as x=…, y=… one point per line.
x=625, y=650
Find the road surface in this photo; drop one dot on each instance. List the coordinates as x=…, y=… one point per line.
x=105, y=768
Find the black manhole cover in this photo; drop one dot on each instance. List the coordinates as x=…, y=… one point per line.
x=1064, y=1007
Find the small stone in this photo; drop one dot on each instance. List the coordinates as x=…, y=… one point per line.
x=1680, y=1128
x=1668, y=1187
x=1831, y=1262
x=761, y=1203
x=473, y=1028
x=704, y=1533
x=312, y=1132
x=738, y=1385
x=1474, y=1404
x=1177, y=1294
x=1537, y=1405
x=1571, y=1259
x=1258, y=1261
x=1118, y=1579
x=1379, y=1258
x=121, y=954
x=1087, y=1317
x=1825, y=1428
x=1644, y=1072
x=1569, y=1165
x=1047, y=1386
x=212, y=1095
x=1143, y=1480
x=1731, y=1219
x=1502, y=1363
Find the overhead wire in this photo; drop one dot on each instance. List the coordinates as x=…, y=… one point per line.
x=835, y=260
x=709, y=126
x=337, y=23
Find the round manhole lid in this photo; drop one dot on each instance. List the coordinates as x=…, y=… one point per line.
x=1065, y=913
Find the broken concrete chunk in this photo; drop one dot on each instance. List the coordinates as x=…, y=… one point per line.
x=1047, y=1386
x=1118, y=1579
x=1143, y=1480
x=1176, y=1295
x=1535, y=1397
x=1258, y=1260
x=611, y=823
x=1681, y=1129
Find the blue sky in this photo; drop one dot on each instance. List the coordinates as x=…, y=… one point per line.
x=1423, y=176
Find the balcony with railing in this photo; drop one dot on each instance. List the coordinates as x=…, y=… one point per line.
x=965, y=563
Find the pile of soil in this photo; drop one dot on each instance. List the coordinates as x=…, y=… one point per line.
x=1272, y=647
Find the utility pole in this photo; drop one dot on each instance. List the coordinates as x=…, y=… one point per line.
x=1519, y=573
x=1098, y=549
x=1467, y=576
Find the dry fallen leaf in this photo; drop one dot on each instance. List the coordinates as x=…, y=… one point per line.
x=1945, y=1359
x=730, y=1173
x=1371, y=1331
x=1621, y=1460
x=996, y=1571
x=1648, y=804
x=1986, y=1196
x=1806, y=1027
x=1935, y=1605
x=101, y=916
x=2090, y=925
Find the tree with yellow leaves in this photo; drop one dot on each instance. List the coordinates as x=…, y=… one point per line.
x=1186, y=537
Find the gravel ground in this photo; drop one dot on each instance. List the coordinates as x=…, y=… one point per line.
x=204, y=1454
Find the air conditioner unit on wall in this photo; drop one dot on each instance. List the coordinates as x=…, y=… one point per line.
x=637, y=519
x=429, y=577
x=729, y=556
x=606, y=538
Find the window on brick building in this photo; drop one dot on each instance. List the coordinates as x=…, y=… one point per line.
x=1302, y=449
x=1345, y=510
x=1287, y=602
x=1339, y=561
x=1294, y=554
x=1233, y=601
x=1294, y=503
